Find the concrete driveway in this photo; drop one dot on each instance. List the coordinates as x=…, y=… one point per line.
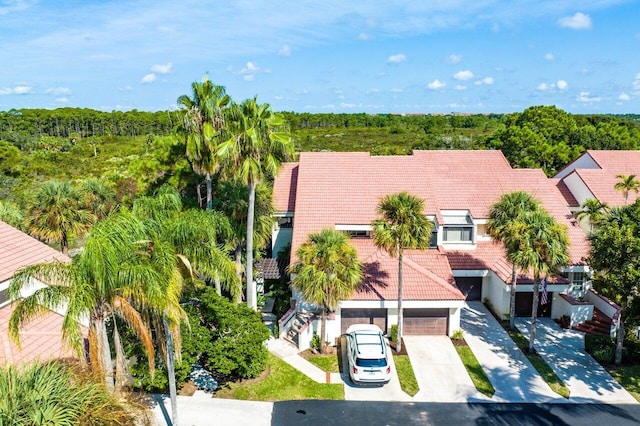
x=508, y=369
x=389, y=392
x=564, y=351
x=439, y=371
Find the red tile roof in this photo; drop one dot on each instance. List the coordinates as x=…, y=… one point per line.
x=39, y=339
x=18, y=249
x=566, y=193
x=284, y=188
x=426, y=275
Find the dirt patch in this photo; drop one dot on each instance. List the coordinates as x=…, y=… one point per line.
x=260, y=378
x=459, y=342
x=188, y=389
x=403, y=350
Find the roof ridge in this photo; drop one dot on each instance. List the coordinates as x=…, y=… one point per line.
x=435, y=277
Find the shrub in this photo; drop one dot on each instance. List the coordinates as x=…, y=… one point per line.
x=393, y=335
x=458, y=334
x=315, y=342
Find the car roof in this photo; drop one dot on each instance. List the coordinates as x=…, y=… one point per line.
x=371, y=328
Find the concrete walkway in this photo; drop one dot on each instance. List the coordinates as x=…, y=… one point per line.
x=440, y=373
x=563, y=350
x=289, y=354
x=508, y=370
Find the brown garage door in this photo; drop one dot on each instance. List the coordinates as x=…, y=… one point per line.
x=426, y=321
x=364, y=316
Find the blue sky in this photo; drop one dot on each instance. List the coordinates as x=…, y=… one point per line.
x=324, y=56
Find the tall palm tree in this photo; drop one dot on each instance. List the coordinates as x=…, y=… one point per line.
x=102, y=282
x=259, y=143
x=202, y=125
x=57, y=214
x=627, y=184
x=507, y=210
x=97, y=198
x=327, y=271
x=402, y=226
x=594, y=211
x=543, y=246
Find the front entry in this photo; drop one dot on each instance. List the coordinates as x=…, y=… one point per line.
x=471, y=287
x=524, y=305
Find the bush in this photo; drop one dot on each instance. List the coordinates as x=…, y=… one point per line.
x=458, y=334
x=394, y=333
x=315, y=342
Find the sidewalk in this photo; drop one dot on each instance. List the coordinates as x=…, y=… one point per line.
x=289, y=354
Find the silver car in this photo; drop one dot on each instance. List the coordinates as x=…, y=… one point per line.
x=368, y=355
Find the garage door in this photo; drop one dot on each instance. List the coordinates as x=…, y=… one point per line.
x=426, y=321
x=364, y=316
x=524, y=303
x=471, y=287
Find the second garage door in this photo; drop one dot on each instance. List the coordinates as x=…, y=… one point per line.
x=426, y=321
x=364, y=316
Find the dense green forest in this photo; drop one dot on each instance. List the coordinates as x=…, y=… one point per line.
x=136, y=151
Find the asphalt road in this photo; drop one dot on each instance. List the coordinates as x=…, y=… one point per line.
x=309, y=412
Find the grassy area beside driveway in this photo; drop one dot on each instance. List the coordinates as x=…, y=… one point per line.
x=476, y=373
x=629, y=378
x=327, y=363
x=408, y=382
x=282, y=383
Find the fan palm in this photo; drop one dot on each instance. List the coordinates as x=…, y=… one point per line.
x=594, y=211
x=402, y=226
x=508, y=209
x=202, y=125
x=627, y=184
x=327, y=271
x=255, y=150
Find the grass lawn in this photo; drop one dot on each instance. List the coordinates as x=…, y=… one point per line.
x=408, y=381
x=477, y=374
x=628, y=377
x=539, y=364
x=325, y=362
x=283, y=383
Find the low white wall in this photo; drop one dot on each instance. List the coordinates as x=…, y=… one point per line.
x=454, y=320
x=601, y=304
x=498, y=292
x=576, y=312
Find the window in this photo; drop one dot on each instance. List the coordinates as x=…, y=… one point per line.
x=359, y=234
x=285, y=222
x=458, y=233
x=3, y=296
x=433, y=242
x=578, y=279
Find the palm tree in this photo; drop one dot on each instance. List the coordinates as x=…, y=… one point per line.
x=627, y=184
x=508, y=209
x=255, y=150
x=11, y=214
x=327, y=271
x=202, y=125
x=402, y=226
x=97, y=198
x=543, y=244
x=102, y=282
x=57, y=214
x=594, y=211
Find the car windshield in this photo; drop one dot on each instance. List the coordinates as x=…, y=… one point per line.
x=376, y=362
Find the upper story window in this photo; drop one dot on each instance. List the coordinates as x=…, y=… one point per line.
x=3, y=297
x=359, y=234
x=285, y=222
x=458, y=227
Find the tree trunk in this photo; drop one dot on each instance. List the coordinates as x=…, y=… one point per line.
x=620, y=338
x=171, y=371
x=121, y=366
x=209, y=191
x=512, y=305
x=252, y=296
x=534, y=313
x=216, y=280
x=103, y=365
x=238, y=256
x=64, y=243
x=323, y=329
x=400, y=313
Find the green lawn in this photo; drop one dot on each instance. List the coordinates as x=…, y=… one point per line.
x=628, y=377
x=477, y=374
x=408, y=381
x=326, y=362
x=539, y=364
x=283, y=383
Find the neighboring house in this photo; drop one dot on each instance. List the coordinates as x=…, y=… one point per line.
x=42, y=337
x=342, y=191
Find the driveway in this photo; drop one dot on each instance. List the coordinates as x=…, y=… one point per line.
x=389, y=392
x=564, y=351
x=509, y=371
x=439, y=371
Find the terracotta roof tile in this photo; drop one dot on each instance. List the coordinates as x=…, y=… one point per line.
x=566, y=193
x=284, y=188
x=18, y=249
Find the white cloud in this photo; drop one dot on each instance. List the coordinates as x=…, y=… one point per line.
x=552, y=87
x=396, y=59
x=463, y=75
x=250, y=70
x=579, y=21
x=20, y=89
x=62, y=100
x=584, y=97
x=125, y=89
x=396, y=90
x=364, y=36
x=624, y=97
x=549, y=57
x=285, y=50
x=454, y=59
x=58, y=91
x=488, y=81
x=461, y=87
x=636, y=83
x=149, y=78
x=374, y=90
x=162, y=69
x=436, y=85
x=543, y=87
x=562, y=85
